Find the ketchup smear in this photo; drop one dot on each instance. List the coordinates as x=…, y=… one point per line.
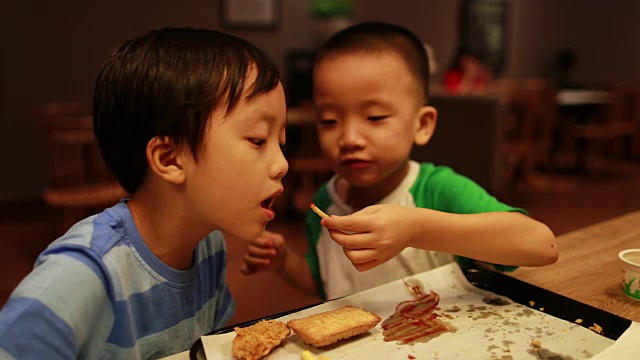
x=416, y=320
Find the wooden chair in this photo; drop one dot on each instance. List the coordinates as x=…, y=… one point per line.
x=78, y=182
x=600, y=141
x=634, y=118
x=530, y=113
x=628, y=128
x=307, y=167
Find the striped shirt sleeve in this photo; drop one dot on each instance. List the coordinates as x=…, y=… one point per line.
x=63, y=302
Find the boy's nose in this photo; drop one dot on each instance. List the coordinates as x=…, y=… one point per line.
x=350, y=138
x=280, y=167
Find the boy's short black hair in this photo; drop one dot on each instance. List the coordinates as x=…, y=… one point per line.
x=167, y=83
x=375, y=37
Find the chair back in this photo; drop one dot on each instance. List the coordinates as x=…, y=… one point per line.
x=77, y=177
x=73, y=157
x=532, y=115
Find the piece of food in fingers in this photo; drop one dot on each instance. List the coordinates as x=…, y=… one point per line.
x=328, y=327
x=318, y=211
x=256, y=341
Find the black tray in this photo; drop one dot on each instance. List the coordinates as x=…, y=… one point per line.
x=519, y=291
x=554, y=304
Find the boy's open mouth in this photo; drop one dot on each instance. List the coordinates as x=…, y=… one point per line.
x=266, y=204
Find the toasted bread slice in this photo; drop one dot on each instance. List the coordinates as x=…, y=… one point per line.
x=328, y=327
x=256, y=341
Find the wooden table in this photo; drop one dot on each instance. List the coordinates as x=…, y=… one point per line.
x=589, y=269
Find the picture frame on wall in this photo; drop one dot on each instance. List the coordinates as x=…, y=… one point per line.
x=250, y=14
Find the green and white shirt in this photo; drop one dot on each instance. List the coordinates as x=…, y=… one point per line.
x=425, y=186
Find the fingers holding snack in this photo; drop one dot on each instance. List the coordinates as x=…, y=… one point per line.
x=372, y=235
x=363, y=259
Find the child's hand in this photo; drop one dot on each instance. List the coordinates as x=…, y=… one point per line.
x=264, y=253
x=372, y=235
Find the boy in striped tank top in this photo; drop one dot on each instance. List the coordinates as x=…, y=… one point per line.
x=191, y=123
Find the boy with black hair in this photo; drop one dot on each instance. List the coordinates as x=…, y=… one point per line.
x=191, y=122
x=391, y=217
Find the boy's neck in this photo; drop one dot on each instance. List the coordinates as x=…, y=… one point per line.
x=162, y=222
x=359, y=197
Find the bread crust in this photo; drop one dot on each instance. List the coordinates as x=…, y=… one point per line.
x=256, y=341
x=329, y=327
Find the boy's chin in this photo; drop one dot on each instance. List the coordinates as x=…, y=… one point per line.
x=359, y=181
x=245, y=235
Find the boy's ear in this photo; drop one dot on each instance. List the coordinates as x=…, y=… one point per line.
x=426, y=123
x=165, y=159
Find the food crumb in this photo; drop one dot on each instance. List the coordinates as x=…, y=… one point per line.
x=532, y=303
x=578, y=321
x=411, y=356
x=541, y=309
x=307, y=355
x=536, y=343
x=596, y=328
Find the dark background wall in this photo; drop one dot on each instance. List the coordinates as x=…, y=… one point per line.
x=52, y=51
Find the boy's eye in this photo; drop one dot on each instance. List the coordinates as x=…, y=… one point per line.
x=258, y=142
x=377, y=117
x=327, y=122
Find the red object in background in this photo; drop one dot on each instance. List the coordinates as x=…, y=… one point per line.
x=452, y=79
x=467, y=75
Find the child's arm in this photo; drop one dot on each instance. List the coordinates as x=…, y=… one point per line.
x=270, y=252
x=377, y=233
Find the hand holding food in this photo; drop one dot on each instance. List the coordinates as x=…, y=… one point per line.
x=372, y=235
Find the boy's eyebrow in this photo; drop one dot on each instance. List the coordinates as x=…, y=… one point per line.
x=264, y=116
x=376, y=102
x=267, y=116
x=324, y=105
x=369, y=102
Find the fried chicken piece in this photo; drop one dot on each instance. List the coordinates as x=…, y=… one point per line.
x=256, y=341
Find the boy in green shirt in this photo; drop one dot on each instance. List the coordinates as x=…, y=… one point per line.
x=370, y=90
